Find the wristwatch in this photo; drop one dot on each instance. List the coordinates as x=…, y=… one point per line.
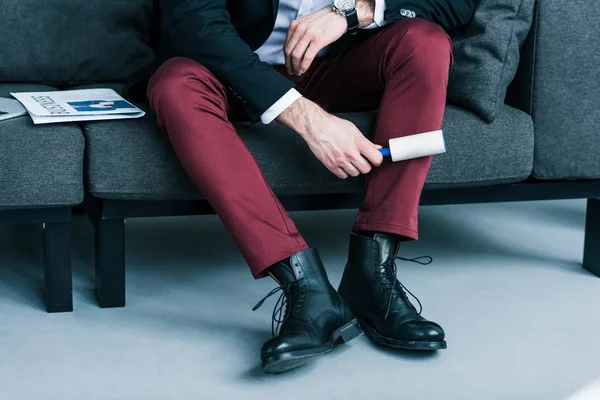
x=347, y=9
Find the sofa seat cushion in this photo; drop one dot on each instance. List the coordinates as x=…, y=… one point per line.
x=132, y=159
x=40, y=165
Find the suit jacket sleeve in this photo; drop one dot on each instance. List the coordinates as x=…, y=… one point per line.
x=450, y=14
x=202, y=30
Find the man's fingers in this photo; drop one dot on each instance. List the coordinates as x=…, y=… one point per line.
x=298, y=55
x=309, y=56
x=372, y=154
x=291, y=33
x=361, y=164
x=340, y=173
x=351, y=170
x=289, y=36
x=294, y=52
x=300, y=49
x=291, y=42
x=297, y=35
x=289, y=63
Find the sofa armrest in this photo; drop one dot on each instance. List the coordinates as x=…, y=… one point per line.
x=558, y=84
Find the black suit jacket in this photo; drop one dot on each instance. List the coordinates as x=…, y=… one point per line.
x=223, y=34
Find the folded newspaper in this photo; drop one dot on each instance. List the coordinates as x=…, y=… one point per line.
x=77, y=105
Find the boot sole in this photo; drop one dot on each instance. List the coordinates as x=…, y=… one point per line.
x=382, y=340
x=293, y=359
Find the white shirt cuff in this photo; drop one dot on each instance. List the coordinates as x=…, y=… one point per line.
x=280, y=106
x=378, y=15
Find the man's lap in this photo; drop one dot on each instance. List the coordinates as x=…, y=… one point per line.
x=349, y=81
x=352, y=80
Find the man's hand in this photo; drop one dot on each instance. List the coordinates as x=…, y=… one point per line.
x=309, y=35
x=337, y=143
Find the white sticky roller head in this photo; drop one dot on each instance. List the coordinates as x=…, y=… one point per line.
x=416, y=146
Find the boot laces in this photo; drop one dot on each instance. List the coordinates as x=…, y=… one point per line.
x=291, y=293
x=391, y=281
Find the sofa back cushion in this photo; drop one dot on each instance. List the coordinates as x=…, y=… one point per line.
x=487, y=54
x=67, y=42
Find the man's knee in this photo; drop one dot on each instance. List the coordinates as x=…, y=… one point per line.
x=177, y=76
x=422, y=41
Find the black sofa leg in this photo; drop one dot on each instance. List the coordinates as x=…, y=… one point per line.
x=591, y=252
x=57, y=267
x=110, y=262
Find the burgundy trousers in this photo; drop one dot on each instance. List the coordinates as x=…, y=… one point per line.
x=402, y=70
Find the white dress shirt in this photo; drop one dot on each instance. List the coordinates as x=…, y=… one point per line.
x=272, y=52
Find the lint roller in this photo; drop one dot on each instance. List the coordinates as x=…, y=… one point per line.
x=415, y=146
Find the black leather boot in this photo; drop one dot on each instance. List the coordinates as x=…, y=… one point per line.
x=315, y=317
x=370, y=288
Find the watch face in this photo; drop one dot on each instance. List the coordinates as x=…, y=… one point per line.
x=345, y=5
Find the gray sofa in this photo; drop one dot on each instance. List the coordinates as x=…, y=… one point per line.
x=540, y=141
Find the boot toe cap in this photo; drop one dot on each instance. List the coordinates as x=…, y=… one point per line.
x=424, y=331
x=285, y=344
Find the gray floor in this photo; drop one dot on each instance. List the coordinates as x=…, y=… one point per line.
x=521, y=315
